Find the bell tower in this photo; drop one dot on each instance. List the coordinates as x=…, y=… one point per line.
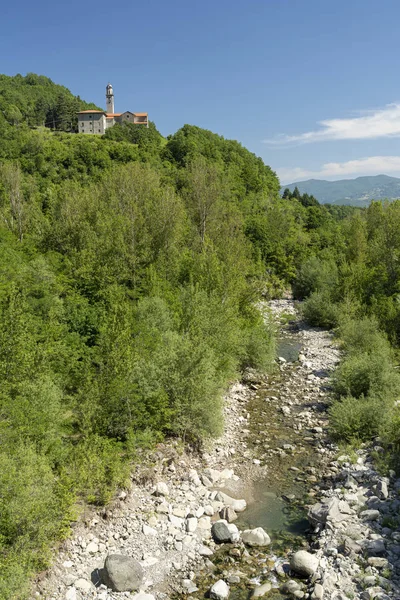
x=109, y=99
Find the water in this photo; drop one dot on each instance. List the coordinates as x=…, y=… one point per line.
x=289, y=348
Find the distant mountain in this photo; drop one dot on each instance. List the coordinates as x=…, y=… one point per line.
x=356, y=192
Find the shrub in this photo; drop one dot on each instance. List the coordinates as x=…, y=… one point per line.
x=357, y=418
x=316, y=275
x=363, y=374
x=320, y=311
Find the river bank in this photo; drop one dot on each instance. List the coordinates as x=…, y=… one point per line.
x=275, y=461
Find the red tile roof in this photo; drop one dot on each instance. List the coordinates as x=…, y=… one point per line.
x=140, y=114
x=110, y=115
x=90, y=111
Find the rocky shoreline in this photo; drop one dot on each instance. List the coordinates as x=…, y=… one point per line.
x=175, y=525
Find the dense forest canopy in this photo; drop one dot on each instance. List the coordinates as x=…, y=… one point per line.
x=130, y=270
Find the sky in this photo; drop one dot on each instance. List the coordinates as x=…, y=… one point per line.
x=311, y=86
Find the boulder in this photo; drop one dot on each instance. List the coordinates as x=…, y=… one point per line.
x=304, y=563
x=289, y=587
x=122, y=573
x=142, y=596
x=256, y=537
x=220, y=590
x=223, y=531
x=382, y=490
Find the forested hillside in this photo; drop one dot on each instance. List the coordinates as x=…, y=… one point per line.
x=130, y=269
x=35, y=100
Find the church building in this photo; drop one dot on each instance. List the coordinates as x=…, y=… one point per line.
x=97, y=121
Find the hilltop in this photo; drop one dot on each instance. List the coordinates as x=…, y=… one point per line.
x=355, y=192
x=36, y=100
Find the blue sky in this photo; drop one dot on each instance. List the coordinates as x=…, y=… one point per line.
x=311, y=86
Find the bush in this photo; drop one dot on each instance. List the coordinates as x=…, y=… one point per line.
x=357, y=418
x=316, y=275
x=363, y=374
x=320, y=311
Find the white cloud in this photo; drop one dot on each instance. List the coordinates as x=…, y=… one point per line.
x=384, y=122
x=371, y=165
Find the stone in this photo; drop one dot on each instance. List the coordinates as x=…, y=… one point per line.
x=369, y=515
x=142, y=596
x=205, y=551
x=191, y=524
x=149, y=530
x=256, y=537
x=289, y=587
x=92, y=548
x=318, y=592
x=237, y=505
x=304, y=563
x=228, y=514
x=378, y=562
x=204, y=523
x=161, y=489
x=71, y=594
x=375, y=547
x=382, y=490
x=221, y=532
x=122, y=573
x=220, y=590
x=334, y=510
x=83, y=585
x=261, y=590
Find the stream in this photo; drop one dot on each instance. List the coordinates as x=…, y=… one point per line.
x=285, y=432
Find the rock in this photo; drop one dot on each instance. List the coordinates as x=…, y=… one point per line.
x=142, y=596
x=92, y=548
x=221, y=532
x=71, y=594
x=289, y=587
x=161, y=489
x=220, y=590
x=369, y=515
x=256, y=537
x=83, y=585
x=191, y=524
x=204, y=523
x=378, y=562
x=228, y=514
x=334, y=511
x=237, y=505
x=122, y=573
x=318, y=592
x=304, y=563
x=205, y=551
x=149, y=530
x=375, y=547
x=382, y=490
x=261, y=590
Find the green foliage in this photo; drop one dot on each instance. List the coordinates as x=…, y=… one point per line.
x=130, y=269
x=320, y=311
x=358, y=418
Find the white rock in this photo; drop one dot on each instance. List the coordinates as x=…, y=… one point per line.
x=256, y=537
x=71, y=594
x=83, y=585
x=304, y=563
x=92, y=548
x=191, y=524
x=161, y=489
x=176, y=521
x=142, y=596
x=149, y=530
x=205, y=551
x=220, y=590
